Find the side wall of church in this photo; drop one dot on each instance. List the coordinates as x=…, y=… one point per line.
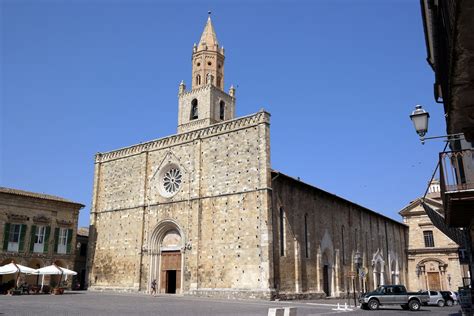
x=321, y=229
x=221, y=211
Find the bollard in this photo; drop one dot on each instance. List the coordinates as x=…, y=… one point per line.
x=290, y=311
x=276, y=312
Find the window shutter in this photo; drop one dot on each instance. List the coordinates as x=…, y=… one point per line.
x=69, y=240
x=46, y=239
x=6, y=235
x=32, y=239
x=22, y=238
x=56, y=239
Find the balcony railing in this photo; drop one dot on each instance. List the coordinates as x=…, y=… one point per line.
x=456, y=171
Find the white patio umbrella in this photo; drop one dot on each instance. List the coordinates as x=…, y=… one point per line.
x=15, y=268
x=53, y=270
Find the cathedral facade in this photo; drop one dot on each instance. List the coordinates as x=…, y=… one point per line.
x=202, y=212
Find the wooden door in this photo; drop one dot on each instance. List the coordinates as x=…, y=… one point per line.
x=170, y=276
x=433, y=281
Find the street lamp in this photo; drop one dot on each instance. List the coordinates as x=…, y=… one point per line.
x=420, y=119
x=418, y=271
x=357, y=263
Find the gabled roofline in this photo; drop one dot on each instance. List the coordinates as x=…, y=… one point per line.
x=417, y=202
x=41, y=196
x=278, y=173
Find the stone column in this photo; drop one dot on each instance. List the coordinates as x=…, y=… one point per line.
x=298, y=279
x=318, y=270
x=375, y=276
x=382, y=274
x=336, y=265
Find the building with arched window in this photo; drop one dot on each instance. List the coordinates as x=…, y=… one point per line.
x=203, y=213
x=433, y=260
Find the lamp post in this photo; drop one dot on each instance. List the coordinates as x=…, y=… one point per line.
x=357, y=263
x=420, y=119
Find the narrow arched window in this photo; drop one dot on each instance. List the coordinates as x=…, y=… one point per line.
x=194, y=109
x=306, y=237
x=198, y=79
x=222, y=110
x=218, y=81
x=282, y=232
x=342, y=246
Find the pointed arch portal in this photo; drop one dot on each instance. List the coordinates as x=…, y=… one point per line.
x=378, y=268
x=166, y=260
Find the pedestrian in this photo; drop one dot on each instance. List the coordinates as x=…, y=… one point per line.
x=153, y=287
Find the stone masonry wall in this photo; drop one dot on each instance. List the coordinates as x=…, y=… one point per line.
x=221, y=210
x=335, y=229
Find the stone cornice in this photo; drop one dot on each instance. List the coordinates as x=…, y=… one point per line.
x=63, y=222
x=261, y=117
x=203, y=88
x=17, y=218
x=41, y=219
x=194, y=123
x=206, y=87
x=415, y=251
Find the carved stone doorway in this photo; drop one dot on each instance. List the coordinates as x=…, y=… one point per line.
x=166, y=259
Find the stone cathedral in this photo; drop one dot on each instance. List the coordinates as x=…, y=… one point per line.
x=203, y=213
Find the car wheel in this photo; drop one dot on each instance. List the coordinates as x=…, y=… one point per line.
x=414, y=305
x=449, y=303
x=373, y=304
x=405, y=307
x=440, y=303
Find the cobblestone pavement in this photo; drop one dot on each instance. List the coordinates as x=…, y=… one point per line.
x=97, y=303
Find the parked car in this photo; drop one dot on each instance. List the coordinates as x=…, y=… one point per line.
x=454, y=296
x=448, y=299
x=393, y=295
x=435, y=298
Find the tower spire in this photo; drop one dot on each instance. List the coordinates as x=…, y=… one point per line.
x=208, y=59
x=208, y=39
x=206, y=103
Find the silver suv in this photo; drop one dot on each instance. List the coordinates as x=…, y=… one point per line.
x=435, y=298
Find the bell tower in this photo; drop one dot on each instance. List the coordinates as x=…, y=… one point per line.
x=208, y=59
x=206, y=103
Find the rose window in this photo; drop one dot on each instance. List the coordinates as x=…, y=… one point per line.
x=172, y=180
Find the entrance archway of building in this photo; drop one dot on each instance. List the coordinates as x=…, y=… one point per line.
x=166, y=262
x=327, y=266
x=434, y=277
x=31, y=279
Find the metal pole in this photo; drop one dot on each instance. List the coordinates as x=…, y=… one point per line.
x=353, y=287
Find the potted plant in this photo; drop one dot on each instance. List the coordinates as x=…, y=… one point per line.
x=55, y=289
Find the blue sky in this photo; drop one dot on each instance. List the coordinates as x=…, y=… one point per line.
x=339, y=77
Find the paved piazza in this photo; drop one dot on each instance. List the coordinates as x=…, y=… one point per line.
x=93, y=303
